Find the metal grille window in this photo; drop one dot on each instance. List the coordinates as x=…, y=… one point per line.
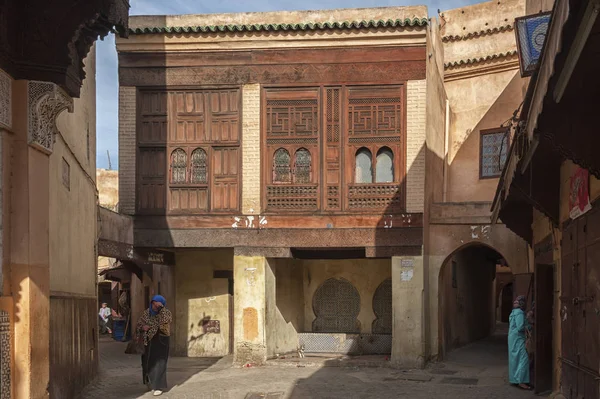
x=336, y=304
x=493, y=152
x=282, y=172
x=199, y=171
x=178, y=166
x=382, y=306
x=302, y=166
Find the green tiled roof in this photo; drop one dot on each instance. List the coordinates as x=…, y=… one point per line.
x=471, y=61
x=390, y=23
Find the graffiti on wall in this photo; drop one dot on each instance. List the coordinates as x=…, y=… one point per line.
x=249, y=222
x=480, y=232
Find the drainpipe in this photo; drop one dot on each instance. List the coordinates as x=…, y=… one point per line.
x=446, y=138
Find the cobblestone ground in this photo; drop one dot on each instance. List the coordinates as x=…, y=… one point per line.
x=476, y=371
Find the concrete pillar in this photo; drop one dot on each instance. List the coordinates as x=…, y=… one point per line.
x=250, y=339
x=29, y=257
x=407, y=308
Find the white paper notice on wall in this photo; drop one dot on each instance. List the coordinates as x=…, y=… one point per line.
x=406, y=275
x=407, y=269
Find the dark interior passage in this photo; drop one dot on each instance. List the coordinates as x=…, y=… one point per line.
x=468, y=297
x=505, y=303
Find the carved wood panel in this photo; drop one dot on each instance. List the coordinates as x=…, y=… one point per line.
x=151, y=180
x=353, y=73
x=376, y=126
x=292, y=124
x=188, y=117
x=196, y=134
x=152, y=153
x=334, y=123
x=333, y=151
x=224, y=116
x=226, y=171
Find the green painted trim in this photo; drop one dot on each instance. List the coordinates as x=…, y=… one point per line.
x=390, y=23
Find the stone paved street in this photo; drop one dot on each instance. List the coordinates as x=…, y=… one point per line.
x=476, y=371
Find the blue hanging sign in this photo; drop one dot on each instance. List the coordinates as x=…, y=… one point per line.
x=531, y=34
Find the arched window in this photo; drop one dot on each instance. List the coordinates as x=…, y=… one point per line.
x=302, y=166
x=384, y=169
x=382, y=307
x=363, y=169
x=178, y=166
x=336, y=304
x=282, y=172
x=199, y=170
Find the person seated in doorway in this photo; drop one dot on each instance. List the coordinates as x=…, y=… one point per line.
x=105, y=315
x=518, y=359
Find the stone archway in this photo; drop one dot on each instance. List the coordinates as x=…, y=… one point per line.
x=467, y=296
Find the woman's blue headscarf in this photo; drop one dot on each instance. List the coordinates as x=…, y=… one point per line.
x=157, y=298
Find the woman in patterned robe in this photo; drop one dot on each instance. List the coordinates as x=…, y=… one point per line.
x=154, y=330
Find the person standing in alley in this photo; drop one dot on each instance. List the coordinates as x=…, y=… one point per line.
x=518, y=359
x=154, y=330
x=105, y=315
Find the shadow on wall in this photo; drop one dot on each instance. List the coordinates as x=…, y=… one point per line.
x=464, y=180
x=284, y=305
x=204, y=303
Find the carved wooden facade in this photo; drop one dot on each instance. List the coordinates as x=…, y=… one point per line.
x=332, y=143
x=334, y=148
x=189, y=151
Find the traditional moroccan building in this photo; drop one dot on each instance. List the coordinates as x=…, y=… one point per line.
x=549, y=192
x=48, y=233
x=322, y=178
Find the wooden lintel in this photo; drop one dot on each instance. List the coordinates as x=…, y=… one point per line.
x=279, y=238
x=127, y=252
x=324, y=221
x=267, y=252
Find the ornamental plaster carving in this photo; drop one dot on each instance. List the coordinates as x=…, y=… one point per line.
x=45, y=101
x=5, y=99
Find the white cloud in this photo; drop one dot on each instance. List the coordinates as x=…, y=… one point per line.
x=106, y=74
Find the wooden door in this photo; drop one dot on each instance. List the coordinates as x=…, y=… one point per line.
x=567, y=314
x=225, y=166
x=544, y=296
x=580, y=304
x=589, y=304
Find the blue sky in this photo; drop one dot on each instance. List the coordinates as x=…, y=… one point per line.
x=106, y=72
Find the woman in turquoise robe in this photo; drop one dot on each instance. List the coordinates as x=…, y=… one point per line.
x=518, y=359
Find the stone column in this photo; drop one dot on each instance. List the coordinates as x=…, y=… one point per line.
x=407, y=309
x=250, y=342
x=36, y=105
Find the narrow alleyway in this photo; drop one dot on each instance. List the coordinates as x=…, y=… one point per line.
x=475, y=371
